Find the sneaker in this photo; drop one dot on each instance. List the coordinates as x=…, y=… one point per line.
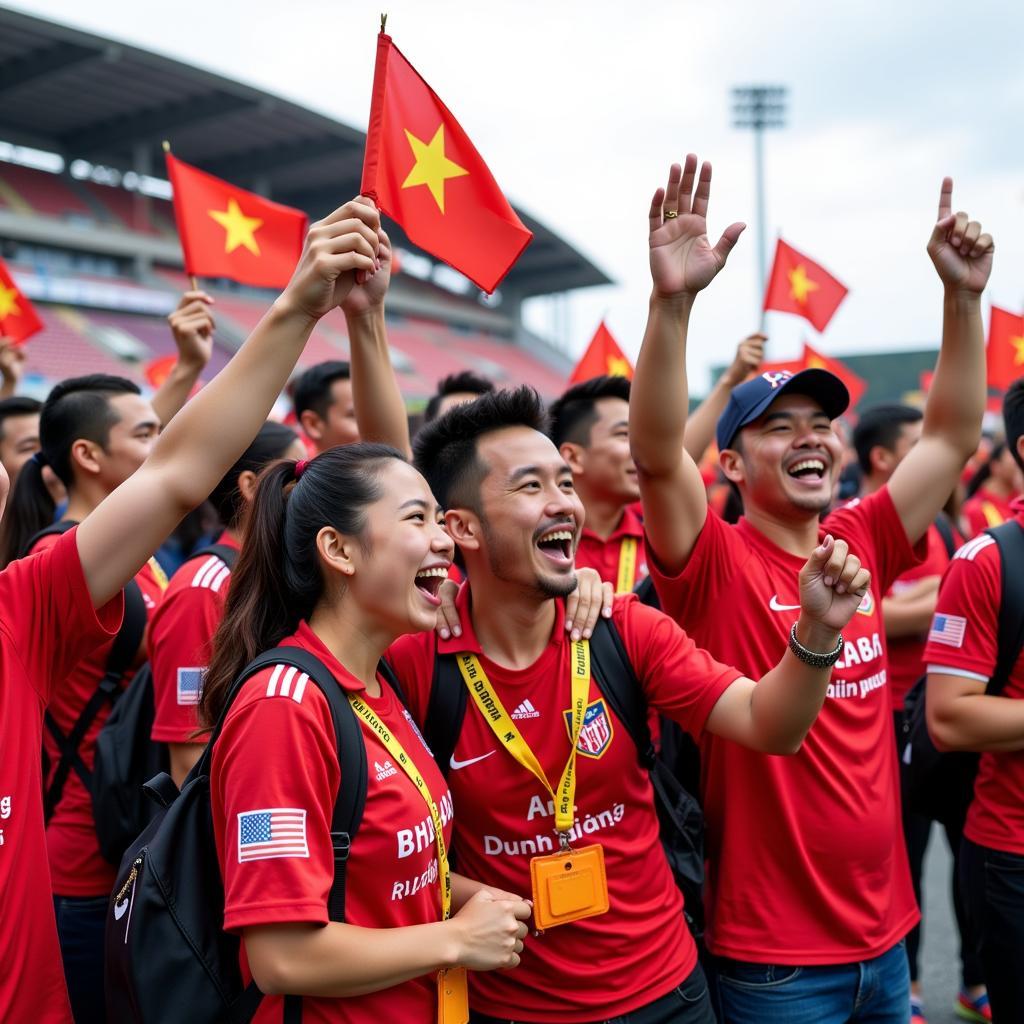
x=917, y=1011
x=977, y=1010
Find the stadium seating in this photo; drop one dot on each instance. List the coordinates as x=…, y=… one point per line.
x=28, y=191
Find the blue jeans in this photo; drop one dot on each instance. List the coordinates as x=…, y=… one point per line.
x=80, y=925
x=871, y=992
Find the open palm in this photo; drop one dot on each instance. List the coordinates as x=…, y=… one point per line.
x=962, y=254
x=682, y=258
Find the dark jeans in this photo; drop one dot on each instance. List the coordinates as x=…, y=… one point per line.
x=80, y=924
x=994, y=885
x=687, y=1004
x=916, y=833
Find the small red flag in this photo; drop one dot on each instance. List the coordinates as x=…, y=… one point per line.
x=422, y=170
x=158, y=370
x=18, y=317
x=799, y=285
x=814, y=360
x=603, y=358
x=1005, y=352
x=228, y=232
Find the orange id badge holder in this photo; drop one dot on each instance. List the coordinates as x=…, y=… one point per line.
x=452, y=996
x=568, y=886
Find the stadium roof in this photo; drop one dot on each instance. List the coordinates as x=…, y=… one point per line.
x=88, y=97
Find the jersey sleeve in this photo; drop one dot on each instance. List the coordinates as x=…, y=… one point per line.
x=680, y=679
x=716, y=559
x=873, y=529
x=412, y=658
x=964, y=637
x=179, y=651
x=49, y=614
x=275, y=778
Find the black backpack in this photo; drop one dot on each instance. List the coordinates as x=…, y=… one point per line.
x=679, y=814
x=167, y=954
x=941, y=785
x=126, y=757
x=108, y=690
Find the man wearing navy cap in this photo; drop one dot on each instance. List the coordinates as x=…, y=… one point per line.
x=808, y=891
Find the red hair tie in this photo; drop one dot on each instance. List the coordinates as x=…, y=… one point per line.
x=300, y=467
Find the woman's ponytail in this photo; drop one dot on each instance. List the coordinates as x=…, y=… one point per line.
x=29, y=510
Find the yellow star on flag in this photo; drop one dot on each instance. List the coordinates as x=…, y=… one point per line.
x=1018, y=344
x=9, y=302
x=617, y=367
x=801, y=285
x=432, y=167
x=241, y=230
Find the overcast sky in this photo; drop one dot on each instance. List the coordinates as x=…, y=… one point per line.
x=579, y=108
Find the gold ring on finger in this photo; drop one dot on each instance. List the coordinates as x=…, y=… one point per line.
x=669, y=214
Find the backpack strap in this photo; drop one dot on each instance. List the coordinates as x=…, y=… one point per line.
x=646, y=593
x=225, y=552
x=945, y=528
x=119, y=661
x=1009, y=538
x=446, y=710
x=59, y=528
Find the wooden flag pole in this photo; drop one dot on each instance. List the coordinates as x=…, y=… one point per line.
x=191, y=277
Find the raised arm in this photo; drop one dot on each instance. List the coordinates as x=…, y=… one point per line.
x=192, y=327
x=924, y=480
x=700, y=427
x=682, y=262
x=212, y=430
x=12, y=366
x=380, y=408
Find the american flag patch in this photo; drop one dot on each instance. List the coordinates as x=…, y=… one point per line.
x=272, y=832
x=190, y=685
x=948, y=630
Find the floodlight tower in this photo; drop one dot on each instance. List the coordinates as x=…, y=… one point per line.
x=759, y=107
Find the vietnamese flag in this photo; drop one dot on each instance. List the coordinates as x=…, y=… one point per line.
x=801, y=286
x=422, y=171
x=18, y=318
x=228, y=232
x=814, y=360
x=1005, y=352
x=603, y=358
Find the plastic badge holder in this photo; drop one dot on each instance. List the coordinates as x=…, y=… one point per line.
x=568, y=886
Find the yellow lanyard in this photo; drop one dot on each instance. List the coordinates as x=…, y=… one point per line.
x=993, y=517
x=158, y=574
x=397, y=751
x=627, y=566
x=505, y=729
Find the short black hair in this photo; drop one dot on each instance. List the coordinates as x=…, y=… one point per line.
x=18, y=406
x=881, y=426
x=466, y=383
x=572, y=416
x=446, y=449
x=1013, y=417
x=313, y=388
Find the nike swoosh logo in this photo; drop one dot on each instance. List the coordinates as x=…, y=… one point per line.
x=776, y=607
x=119, y=909
x=456, y=765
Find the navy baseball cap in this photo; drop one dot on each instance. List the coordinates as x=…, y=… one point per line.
x=749, y=400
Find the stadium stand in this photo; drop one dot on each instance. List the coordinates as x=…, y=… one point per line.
x=29, y=191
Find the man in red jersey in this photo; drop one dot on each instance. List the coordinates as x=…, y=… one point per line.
x=808, y=892
x=961, y=657
x=513, y=511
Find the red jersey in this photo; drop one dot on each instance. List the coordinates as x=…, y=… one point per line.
x=48, y=625
x=603, y=555
x=640, y=949
x=964, y=642
x=807, y=863
x=180, y=636
x=984, y=509
x=906, y=653
x=76, y=865
x=274, y=781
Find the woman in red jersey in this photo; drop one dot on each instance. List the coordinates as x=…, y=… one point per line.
x=60, y=604
x=340, y=557
x=996, y=485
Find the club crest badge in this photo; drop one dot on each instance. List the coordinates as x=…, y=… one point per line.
x=867, y=605
x=596, y=731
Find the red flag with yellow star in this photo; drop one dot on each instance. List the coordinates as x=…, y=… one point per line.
x=422, y=171
x=228, y=232
x=799, y=285
x=18, y=318
x=603, y=358
x=1005, y=352
x=814, y=360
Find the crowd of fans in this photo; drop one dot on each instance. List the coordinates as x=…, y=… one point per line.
x=529, y=619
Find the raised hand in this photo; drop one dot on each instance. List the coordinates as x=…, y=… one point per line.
x=683, y=261
x=192, y=325
x=748, y=359
x=961, y=253
x=832, y=584
x=338, y=247
x=12, y=366
x=369, y=290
